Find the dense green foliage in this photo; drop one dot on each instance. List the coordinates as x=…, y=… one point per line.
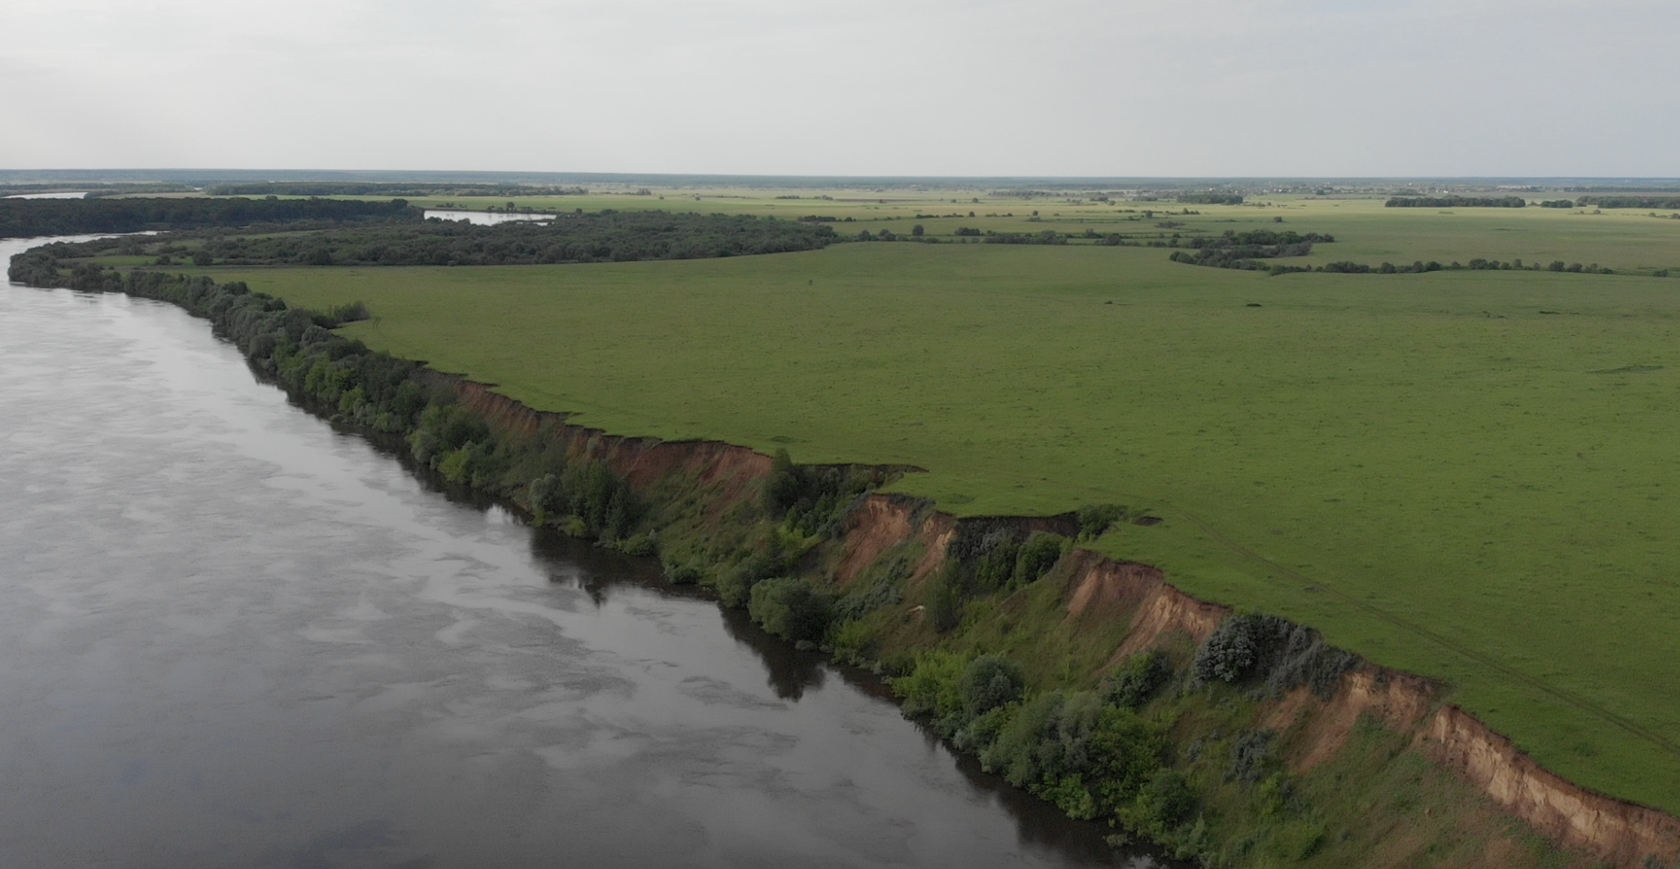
x=1240, y=250
x=791, y=608
x=24, y=218
x=1271, y=653
x=811, y=498
x=1456, y=202
x=1630, y=201
x=607, y=236
x=1090, y=757
x=1210, y=198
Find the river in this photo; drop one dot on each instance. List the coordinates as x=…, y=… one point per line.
x=233, y=636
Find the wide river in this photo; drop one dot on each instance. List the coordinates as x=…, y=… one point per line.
x=232, y=636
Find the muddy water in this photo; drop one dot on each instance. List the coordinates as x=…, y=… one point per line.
x=232, y=636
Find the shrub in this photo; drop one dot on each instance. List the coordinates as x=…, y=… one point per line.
x=791, y=609
x=687, y=573
x=1165, y=802
x=1036, y=557
x=1278, y=653
x=1251, y=756
x=932, y=688
x=856, y=642
x=1137, y=680
x=1096, y=519
x=1074, y=750
x=945, y=598
x=991, y=681
x=735, y=586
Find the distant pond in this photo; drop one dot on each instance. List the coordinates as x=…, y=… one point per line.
x=483, y=218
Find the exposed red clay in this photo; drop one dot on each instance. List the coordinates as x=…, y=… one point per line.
x=879, y=524
x=1620, y=833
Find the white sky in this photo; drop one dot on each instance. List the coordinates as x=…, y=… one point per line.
x=847, y=87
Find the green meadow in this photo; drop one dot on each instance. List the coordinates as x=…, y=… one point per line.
x=1474, y=476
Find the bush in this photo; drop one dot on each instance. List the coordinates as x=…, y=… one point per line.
x=856, y=642
x=735, y=586
x=932, y=689
x=1165, y=802
x=1251, y=756
x=1072, y=749
x=791, y=609
x=811, y=500
x=1096, y=519
x=990, y=681
x=1137, y=680
x=1036, y=557
x=1273, y=651
x=945, y=598
x=687, y=573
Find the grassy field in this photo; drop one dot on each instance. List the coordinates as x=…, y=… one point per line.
x=1469, y=475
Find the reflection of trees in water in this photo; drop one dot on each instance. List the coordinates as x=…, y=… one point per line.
x=791, y=671
x=595, y=570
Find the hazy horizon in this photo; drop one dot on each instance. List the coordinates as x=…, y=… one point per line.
x=950, y=88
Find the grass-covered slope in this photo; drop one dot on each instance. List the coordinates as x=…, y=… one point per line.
x=1464, y=475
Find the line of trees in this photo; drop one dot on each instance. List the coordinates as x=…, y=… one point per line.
x=1209, y=198
x=1630, y=201
x=605, y=236
x=389, y=188
x=1243, y=250
x=27, y=218
x=1456, y=202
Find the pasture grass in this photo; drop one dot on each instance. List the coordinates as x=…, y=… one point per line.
x=1467, y=475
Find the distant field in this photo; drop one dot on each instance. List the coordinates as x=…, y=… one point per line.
x=1470, y=475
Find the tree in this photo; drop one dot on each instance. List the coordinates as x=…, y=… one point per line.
x=917, y=230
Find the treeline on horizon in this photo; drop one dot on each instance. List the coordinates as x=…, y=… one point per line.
x=28, y=218
x=1629, y=201
x=1456, y=202
x=1618, y=201
x=604, y=236
x=93, y=191
x=1218, y=257
x=390, y=188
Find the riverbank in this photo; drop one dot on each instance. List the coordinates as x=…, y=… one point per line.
x=1074, y=620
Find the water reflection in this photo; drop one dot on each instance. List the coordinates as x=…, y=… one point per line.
x=484, y=218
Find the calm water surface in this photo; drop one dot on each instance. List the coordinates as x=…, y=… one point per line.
x=235, y=637
x=483, y=218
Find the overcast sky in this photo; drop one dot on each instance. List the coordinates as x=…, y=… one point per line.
x=847, y=87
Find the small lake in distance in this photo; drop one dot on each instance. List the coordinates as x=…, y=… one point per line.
x=484, y=218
